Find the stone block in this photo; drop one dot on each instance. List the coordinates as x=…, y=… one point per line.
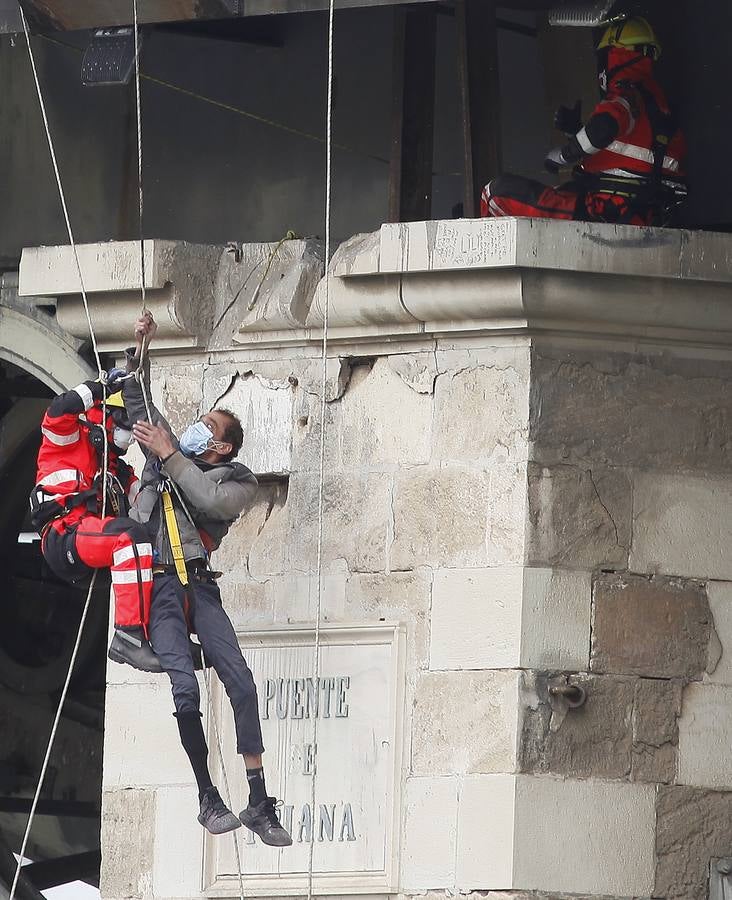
x=720, y=603
x=128, y=824
x=626, y=729
x=428, y=841
x=141, y=743
x=465, y=722
x=682, y=525
x=248, y=603
x=398, y=596
x=441, y=517
x=181, y=395
x=578, y=518
x=595, y=740
x=277, y=280
x=476, y=618
x=510, y=617
x=693, y=826
x=356, y=520
x=373, y=410
x=490, y=403
x=178, y=863
x=418, y=370
x=258, y=542
x=266, y=407
x=658, y=411
x=603, y=843
x=295, y=597
x=705, y=736
x=656, y=709
x=658, y=627
x=555, y=631
x=486, y=838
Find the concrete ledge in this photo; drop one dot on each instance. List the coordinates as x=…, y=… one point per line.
x=533, y=275
x=179, y=282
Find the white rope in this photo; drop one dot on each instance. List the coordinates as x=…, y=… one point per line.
x=138, y=112
x=61, y=191
x=87, y=603
x=323, y=411
x=227, y=791
x=148, y=410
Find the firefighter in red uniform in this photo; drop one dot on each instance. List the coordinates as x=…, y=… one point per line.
x=628, y=158
x=66, y=504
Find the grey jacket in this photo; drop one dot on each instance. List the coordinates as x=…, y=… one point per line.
x=214, y=495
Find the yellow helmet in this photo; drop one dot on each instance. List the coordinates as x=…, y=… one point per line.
x=629, y=34
x=116, y=400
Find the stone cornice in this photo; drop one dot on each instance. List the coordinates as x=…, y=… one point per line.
x=532, y=276
x=407, y=281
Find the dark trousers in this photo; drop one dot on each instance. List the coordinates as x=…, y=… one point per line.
x=174, y=607
x=514, y=195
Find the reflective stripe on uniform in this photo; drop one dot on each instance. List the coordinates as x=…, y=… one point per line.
x=61, y=440
x=85, y=395
x=585, y=143
x=131, y=576
x=59, y=477
x=125, y=553
x=624, y=103
x=631, y=151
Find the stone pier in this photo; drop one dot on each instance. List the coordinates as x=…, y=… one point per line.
x=528, y=483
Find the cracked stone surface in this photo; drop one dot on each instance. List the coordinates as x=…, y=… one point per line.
x=627, y=729
x=491, y=404
x=659, y=627
x=693, y=825
x=127, y=848
x=657, y=412
x=579, y=518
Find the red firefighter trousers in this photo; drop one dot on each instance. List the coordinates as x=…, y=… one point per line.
x=73, y=550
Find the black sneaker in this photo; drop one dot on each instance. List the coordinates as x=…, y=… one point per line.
x=129, y=645
x=262, y=820
x=215, y=815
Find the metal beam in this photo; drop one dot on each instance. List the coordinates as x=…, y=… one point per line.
x=76, y=867
x=479, y=88
x=413, y=114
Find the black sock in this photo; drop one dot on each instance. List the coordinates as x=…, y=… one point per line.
x=194, y=743
x=257, y=790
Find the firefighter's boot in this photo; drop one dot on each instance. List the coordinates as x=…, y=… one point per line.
x=129, y=645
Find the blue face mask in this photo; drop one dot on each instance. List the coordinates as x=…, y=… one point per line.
x=195, y=439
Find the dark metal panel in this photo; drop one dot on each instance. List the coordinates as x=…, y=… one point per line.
x=413, y=114
x=70, y=15
x=479, y=87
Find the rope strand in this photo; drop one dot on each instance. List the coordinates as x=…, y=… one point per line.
x=87, y=602
x=148, y=409
x=323, y=411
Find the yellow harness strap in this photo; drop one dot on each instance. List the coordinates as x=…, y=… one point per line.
x=174, y=538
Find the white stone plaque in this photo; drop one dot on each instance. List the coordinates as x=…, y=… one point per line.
x=355, y=711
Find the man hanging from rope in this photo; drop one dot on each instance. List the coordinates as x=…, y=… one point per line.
x=66, y=508
x=191, y=494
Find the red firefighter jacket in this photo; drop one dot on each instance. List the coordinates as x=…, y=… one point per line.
x=620, y=135
x=69, y=462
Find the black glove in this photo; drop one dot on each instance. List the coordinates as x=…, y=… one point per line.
x=115, y=379
x=555, y=161
x=569, y=119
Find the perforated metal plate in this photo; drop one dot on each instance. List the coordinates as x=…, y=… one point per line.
x=109, y=58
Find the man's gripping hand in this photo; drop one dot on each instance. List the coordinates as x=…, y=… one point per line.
x=145, y=328
x=155, y=438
